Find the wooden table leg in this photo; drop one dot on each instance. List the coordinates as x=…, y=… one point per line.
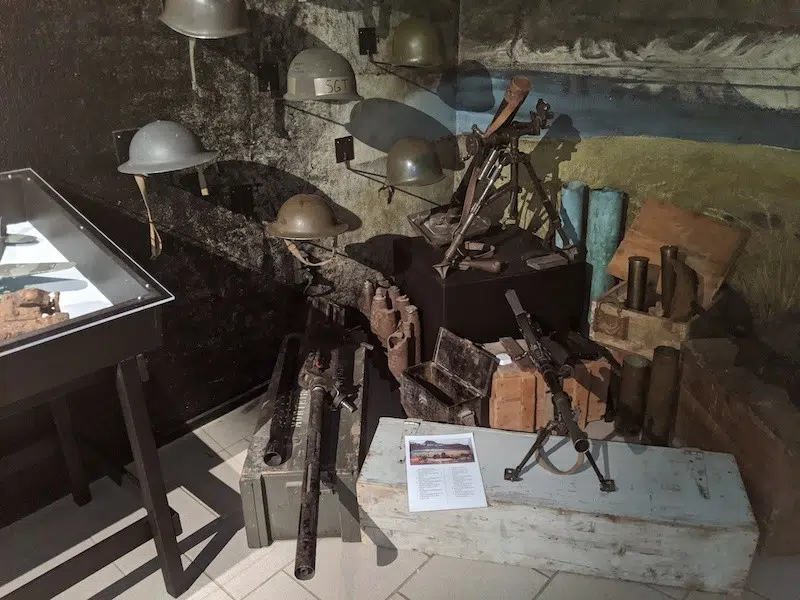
x=69, y=447
x=151, y=479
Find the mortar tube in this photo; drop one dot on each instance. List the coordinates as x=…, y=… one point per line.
x=669, y=254
x=662, y=396
x=602, y=236
x=573, y=212
x=637, y=282
x=632, y=395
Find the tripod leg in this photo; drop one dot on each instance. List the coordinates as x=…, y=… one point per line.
x=552, y=214
x=541, y=438
x=606, y=485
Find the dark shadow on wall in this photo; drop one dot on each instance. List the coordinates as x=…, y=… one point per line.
x=557, y=145
x=467, y=87
x=379, y=123
x=222, y=331
x=255, y=190
x=376, y=253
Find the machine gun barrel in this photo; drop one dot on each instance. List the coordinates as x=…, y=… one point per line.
x=562, y=403
x=544, y=364
x=306, y=555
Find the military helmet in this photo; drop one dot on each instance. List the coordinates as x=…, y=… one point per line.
x=164, y=146
x=413, y=161
x=416, y=43
x=305, y=217
x=321, y=74
x=207, y=19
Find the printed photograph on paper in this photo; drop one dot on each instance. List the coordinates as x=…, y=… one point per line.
x=437, y=452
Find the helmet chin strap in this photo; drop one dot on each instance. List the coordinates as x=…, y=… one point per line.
x=299, y=255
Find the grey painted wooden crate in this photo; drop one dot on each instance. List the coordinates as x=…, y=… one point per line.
x=680, y=517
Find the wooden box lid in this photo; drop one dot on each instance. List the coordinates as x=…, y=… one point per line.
x=707, y=245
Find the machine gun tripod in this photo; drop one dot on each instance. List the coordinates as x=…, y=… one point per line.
x=563, y=421
x=492, y=151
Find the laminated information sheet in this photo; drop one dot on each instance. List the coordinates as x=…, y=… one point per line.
x=443, y=472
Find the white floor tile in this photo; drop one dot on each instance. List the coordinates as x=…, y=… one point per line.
x=23, y=570
x=238, y=451
x=206, y=438
x=224, y=552
x=444, y=578
x=278, y=555
x=776, y=578
x=29, y=547
x=194, y=517
x=210, y=475
x=92, y=585
x=747, y=595
x=359, y=571
x=546, y=573
x=567, y=586
x=281, y=587
x=675, y=593
x=236, y=425
x=226, y=558
x=151, y=587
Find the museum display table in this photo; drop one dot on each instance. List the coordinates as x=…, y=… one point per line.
x=114, y=309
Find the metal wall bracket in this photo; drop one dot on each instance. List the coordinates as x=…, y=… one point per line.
x=122, y=141
x=344, y=149
x=269, y=79
x=367, y=41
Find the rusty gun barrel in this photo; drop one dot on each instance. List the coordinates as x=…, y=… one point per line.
x=306, y=555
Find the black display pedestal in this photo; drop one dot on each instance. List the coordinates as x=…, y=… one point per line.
x=472, y=303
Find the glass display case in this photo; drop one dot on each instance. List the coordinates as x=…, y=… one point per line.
x=104, y=284
x=110, y=307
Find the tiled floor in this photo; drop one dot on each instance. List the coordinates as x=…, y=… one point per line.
x=202, y=471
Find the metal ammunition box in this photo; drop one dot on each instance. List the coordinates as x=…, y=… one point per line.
x=271, y=495
x=452, y=388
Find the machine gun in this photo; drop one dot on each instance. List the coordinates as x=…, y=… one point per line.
x=563, y=421
x=322, y=375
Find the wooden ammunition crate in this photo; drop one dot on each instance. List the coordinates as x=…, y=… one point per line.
x=520, y=400
x=725, y=408
x=680, y=517
x=620, y=328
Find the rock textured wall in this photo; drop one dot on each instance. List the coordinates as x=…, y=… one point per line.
x=72, y=72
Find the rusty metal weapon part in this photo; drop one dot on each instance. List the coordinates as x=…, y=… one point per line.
x=516, y=94
x=322, y=375
x=564, y=420
x=493, y=150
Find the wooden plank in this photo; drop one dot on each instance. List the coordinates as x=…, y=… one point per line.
x=680, y=517
x=707, y=245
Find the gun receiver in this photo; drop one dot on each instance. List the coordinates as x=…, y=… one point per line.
x=563, y=420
